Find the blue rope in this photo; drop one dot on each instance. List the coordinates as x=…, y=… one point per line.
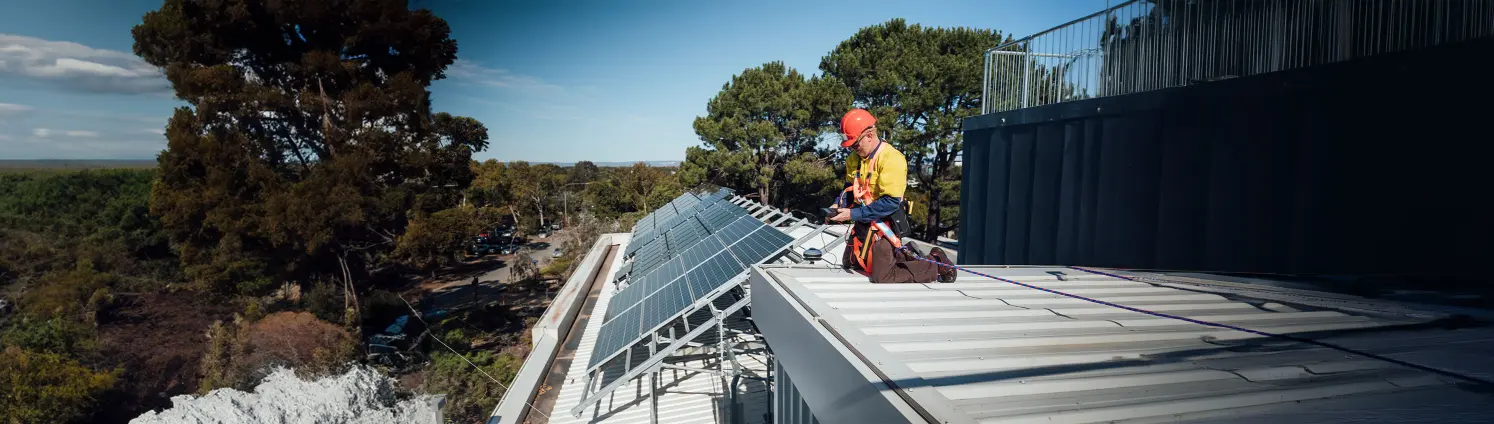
x=1438, y=371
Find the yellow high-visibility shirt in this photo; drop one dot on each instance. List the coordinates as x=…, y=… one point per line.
x=891, y=176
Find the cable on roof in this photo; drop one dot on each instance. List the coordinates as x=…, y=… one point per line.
x=1438, y=371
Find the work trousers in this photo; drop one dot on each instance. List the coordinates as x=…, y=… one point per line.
x=891, y=266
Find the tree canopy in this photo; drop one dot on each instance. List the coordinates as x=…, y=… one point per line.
x=308, y=136
x=761, y=120
x=920, y=83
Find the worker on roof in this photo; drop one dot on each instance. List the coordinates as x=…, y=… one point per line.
x=878, y=175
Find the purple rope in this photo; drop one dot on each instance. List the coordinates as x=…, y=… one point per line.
x=1468, y=378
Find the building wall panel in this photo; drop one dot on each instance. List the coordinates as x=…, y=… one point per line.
x=1376, y=165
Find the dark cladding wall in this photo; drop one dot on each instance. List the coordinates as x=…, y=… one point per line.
x=1380, y=165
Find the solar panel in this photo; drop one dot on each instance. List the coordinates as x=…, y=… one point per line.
x=669, y=300
x=645, y=285
x=720, y=214
x=650, y=222
x=760, y=243
x=685, y=235
x=680, y=244
x=619, y=332
x=701, y=251
x=738, y=229
x=667, y=217
x=660, y=295
x=651, y=253
x=713, y=272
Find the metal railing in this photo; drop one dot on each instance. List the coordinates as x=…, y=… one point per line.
x=1144, y=45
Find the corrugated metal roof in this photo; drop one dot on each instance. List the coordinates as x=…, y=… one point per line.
x=997, y=352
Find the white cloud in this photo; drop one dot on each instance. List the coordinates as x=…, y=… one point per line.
x=48, y=132
x=13, y=109
x=156, y=131
x=78, y=67
x=469, y=71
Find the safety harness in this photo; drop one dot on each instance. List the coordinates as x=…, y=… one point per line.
x=861, y=193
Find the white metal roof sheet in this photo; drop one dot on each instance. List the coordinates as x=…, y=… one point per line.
x=997, y=352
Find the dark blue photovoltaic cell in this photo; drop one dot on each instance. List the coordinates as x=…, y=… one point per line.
x=648, y=226
x=650, y=257
x=646, y=267
x=738, y=229
x=666, y=218
x=720, y=214
x=642, y=287
x=617, y=334
x=685, y=235
x=761, y=243
x=625, y=298
x=713, y=272
x=699, y=252
x=669, y=300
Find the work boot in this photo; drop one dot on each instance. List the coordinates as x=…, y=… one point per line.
x=946, y=273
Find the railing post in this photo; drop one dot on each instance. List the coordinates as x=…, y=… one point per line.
x=1027, y=73
x=985, y=86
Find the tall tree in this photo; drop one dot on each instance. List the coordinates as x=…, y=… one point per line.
x=536, y=186
x=308, y=138
x=921, y=83
x=639, y=183
x=491, y=186
x=762, y=119
x=582, y=172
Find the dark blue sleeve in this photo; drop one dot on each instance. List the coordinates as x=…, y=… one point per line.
x=878, y=209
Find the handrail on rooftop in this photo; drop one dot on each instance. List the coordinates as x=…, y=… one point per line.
x=1145, y=45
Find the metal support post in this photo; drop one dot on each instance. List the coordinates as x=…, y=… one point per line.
x=720, y=336
x=653, y=397
x=1026, y=74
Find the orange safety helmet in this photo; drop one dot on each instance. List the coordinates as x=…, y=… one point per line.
x=854, y=123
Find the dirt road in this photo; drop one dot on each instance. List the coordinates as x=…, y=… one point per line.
x=457, y=292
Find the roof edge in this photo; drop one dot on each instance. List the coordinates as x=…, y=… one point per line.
x=553, y=327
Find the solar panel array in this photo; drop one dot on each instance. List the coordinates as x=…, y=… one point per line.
x=704, y=263
x=702, y=248
x=672, y=214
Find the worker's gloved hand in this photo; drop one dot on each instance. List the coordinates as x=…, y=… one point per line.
x=841, y=215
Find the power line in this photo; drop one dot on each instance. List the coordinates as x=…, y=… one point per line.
x=532, y=408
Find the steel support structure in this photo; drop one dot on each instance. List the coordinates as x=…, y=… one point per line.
x=654, y=362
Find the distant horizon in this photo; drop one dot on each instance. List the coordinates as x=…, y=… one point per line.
x=598, y=163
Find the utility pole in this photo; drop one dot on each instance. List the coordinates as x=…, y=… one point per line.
x=565, y=205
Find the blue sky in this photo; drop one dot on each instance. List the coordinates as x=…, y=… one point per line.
x=553, y=81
